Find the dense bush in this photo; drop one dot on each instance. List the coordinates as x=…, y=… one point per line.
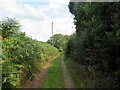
x=22, y=55
x=97, y=40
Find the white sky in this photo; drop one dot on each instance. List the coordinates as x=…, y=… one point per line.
x=36, y=16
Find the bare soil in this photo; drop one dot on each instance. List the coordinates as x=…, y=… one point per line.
x=39, y=76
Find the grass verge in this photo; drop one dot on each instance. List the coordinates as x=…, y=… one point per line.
x=81, y=76
x=54, y=78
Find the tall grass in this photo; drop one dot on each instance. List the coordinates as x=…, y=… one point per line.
x=81, y=76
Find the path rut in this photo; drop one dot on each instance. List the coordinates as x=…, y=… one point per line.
x=39, y=77
x=67, y=78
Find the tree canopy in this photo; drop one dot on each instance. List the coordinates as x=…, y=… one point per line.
x=59, y=41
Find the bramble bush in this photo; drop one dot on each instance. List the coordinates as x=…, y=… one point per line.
x=22, y=55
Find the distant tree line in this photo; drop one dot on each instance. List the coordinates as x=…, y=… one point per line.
x=59, y=41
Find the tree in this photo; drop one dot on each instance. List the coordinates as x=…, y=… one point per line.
x=59, y=41
x=97, y=43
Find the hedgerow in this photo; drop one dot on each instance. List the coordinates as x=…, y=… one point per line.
x=21, y=55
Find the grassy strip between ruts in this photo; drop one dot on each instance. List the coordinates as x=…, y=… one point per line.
x=54, y=78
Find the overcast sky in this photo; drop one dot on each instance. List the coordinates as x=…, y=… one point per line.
x=36, y=16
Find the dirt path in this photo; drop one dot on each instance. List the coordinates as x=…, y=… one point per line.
x=67, y=79
x=39, y=77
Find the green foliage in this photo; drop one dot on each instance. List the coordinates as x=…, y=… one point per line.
x=21, y=54
x=97, y=43
x=59, y=41
x=9, y=27
x=80, y=74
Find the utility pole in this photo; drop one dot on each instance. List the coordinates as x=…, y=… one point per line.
x=52, y=32
x=52, y=28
